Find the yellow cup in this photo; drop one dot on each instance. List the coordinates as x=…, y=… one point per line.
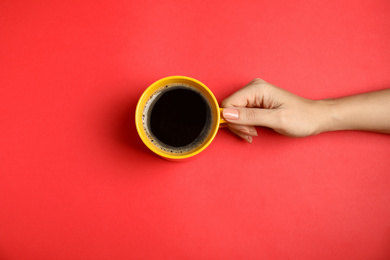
x=145, y=104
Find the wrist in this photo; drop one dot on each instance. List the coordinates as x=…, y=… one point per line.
x=327, y=116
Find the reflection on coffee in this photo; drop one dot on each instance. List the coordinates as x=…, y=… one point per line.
x=179, y=118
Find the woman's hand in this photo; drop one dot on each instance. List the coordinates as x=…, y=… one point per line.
x=262, y=104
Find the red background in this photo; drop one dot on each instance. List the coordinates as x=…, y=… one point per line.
x=76, y=182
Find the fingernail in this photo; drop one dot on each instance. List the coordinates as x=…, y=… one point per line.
x=254, y=133
x=230, y=113
x=248, y=138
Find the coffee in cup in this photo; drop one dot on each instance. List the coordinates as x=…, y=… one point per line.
x=179, y=118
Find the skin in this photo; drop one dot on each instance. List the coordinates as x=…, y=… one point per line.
x=260, y=103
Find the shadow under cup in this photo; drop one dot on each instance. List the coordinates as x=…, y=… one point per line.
x=177, y=117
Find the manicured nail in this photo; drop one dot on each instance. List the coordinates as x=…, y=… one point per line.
x=230, y=113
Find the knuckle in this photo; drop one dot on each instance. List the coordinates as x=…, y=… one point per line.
x=260, y=85
x=250, y=114
x=255, y=82
x=258, y=80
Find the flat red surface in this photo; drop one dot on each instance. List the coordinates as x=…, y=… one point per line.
x=76, y=182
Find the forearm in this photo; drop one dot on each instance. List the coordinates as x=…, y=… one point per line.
x=366, y=112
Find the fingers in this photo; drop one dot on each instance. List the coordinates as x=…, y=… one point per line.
x=244, y=129
x=256, y=104
x=245, y=96
x=245, y=132
x=250, y=116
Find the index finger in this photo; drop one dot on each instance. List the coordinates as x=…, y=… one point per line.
x=248, y=96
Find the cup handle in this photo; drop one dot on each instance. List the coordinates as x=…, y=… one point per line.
x=222, y=122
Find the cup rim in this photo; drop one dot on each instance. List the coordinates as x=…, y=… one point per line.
x=139, y=112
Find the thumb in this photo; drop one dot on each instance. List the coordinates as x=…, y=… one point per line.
x=250, y=116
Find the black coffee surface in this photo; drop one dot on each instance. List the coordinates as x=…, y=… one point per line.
x=179, y=116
